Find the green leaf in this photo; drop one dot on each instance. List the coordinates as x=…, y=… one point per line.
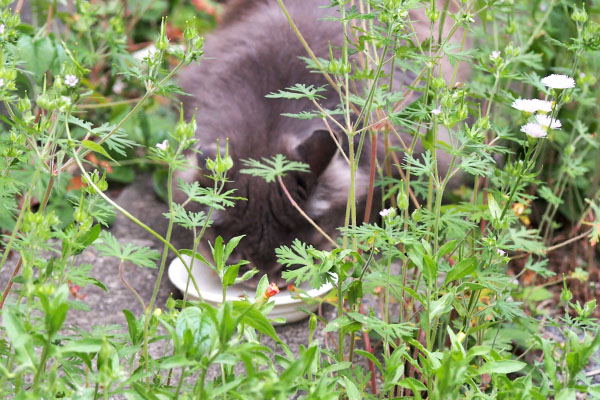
x=566, y=394
x=217, y=253
x=251, y=316
x=431, y=270
x=263, y=283
x=231, y=245
x=86, y=345
x=198, y=256
x=501, y=367
x=57, y=318
x=175, y=361
x=461, y=269
x=86, y=239
x=230, y=275
x=370, y=357
x=37, y=55
x=14, y=328
x=298, y=91
x=276, y=166
x=412, y=384
x=95, y=147
x=441, y=306
x=446, y=248
x=594, y=391
x=131, y=326
x=351, y=389
x=494, y=209
x=197, y=327
x=140, y=256
x=226, y=322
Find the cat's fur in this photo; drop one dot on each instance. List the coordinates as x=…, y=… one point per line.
x=253, y=54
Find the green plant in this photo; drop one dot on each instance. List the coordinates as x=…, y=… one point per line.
x=448, y=323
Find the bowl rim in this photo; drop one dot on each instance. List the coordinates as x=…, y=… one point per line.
x=177, y=270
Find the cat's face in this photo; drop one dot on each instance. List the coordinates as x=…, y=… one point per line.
x=266, y=217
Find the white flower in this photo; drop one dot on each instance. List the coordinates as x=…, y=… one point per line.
x=163, y=146
x=495, y=55
x=2, y=27
x=545, y=121
x=1, y=82
x=500, y=252
x=437, y=110
x=555, y=81
x=71, y=80
x=532, y=105
x=534, y=130
x=386, y=212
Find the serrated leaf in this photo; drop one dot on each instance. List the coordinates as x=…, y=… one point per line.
x=140, y=256
x=298, y=91
x=271, y=168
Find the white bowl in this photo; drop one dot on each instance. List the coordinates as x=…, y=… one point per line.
x=287, y=304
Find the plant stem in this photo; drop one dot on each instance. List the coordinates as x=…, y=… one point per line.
x=305, y=215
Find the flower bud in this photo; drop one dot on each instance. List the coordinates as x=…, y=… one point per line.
x=579, y=15
x=432, y=14
x=190, y=31
x=566, y=295
x=224, y=164
x=417, y=215
x=402, y=198
x=438, y=83
x=210, y=164
x=271, y=290
x=163, y=42
x=511, y=27
x=24, y=104
x=183, y=130
x=46, y=102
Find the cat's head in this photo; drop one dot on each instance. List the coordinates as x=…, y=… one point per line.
x=267, y=217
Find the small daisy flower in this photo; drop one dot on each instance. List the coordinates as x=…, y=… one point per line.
x=532, y=105
x=437, y=110
x=534, y=130
x=387, y=212
x=495, y=55
x=163, y=146
x=555, y=81
x=2, y=28
x=71, y=80
x=545, y=121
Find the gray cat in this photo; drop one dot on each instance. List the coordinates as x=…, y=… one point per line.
x=253, y=54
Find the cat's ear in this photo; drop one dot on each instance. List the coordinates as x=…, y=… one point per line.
x=317, y=150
